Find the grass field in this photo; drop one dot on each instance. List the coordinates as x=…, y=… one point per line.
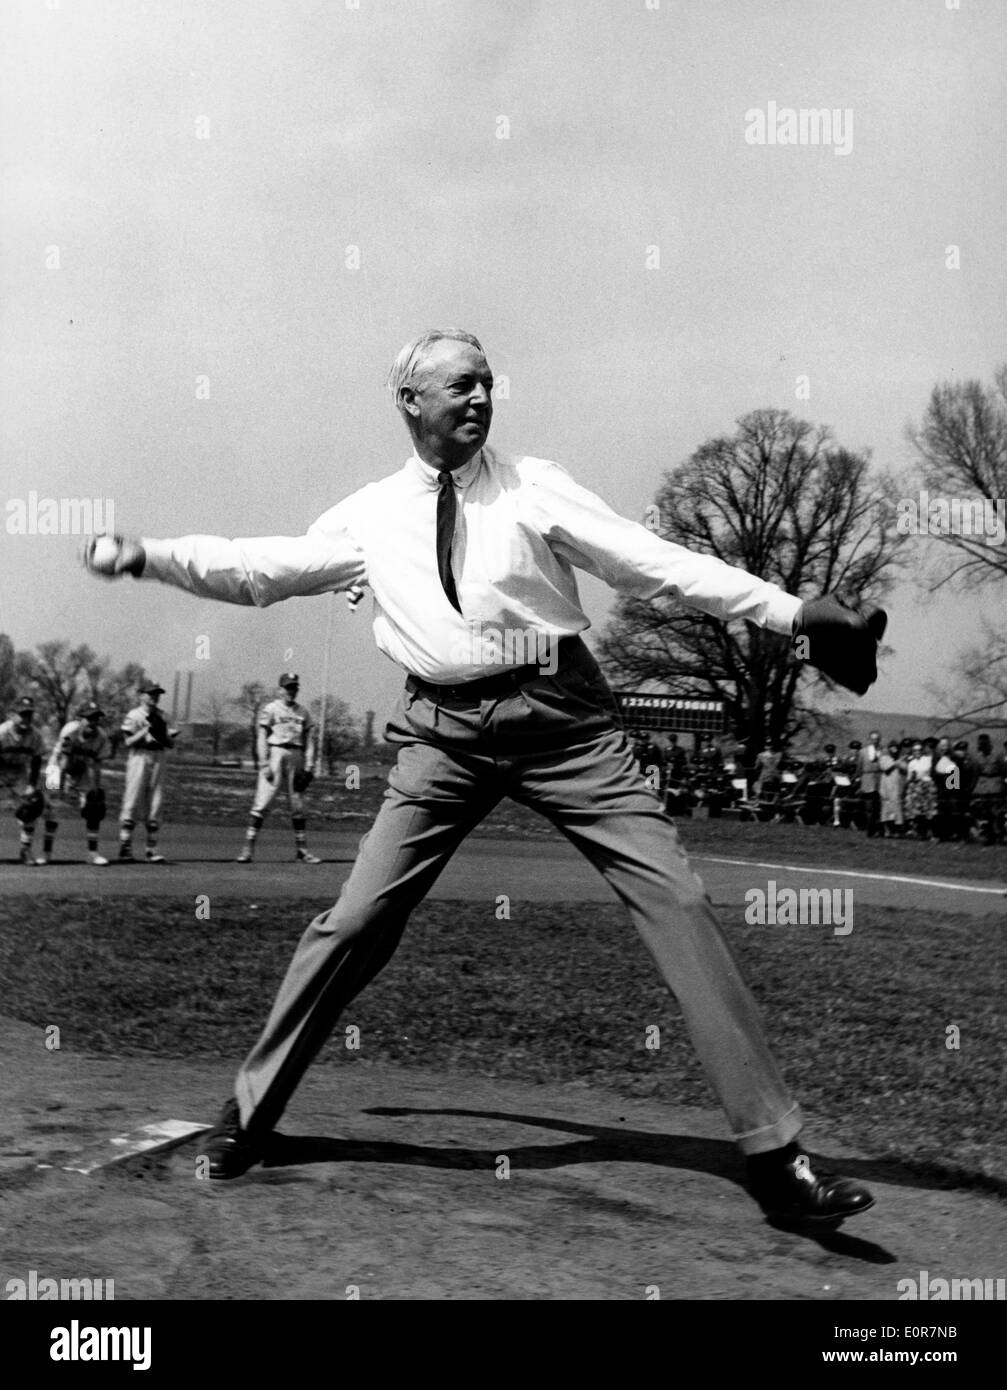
x=223, y=795
x=560, y=993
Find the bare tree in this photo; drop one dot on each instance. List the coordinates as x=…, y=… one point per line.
x=977, y=693
x=961, y=447
x=213, y=714
x=780, y=500
x=60, y=676
x=250, y=699
x=8, y=675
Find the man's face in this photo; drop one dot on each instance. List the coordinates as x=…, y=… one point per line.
x=450, y=402
x=290, y=691
x=874, y=737
x=26, y=718
x=150, y=699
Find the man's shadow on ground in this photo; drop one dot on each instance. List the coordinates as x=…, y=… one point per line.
x=593, y=1143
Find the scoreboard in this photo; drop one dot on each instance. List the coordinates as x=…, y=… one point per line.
x=668, y=714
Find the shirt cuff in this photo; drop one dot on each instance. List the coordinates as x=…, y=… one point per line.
x=781, y=610
x=158, y=559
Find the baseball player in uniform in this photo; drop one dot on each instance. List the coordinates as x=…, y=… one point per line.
x=286, y=748
x=146, y=738
x=21, y=754
x=74, y=776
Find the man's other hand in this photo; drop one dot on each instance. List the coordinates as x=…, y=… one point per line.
x=841, y=641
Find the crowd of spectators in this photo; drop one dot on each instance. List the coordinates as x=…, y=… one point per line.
x=913, y=788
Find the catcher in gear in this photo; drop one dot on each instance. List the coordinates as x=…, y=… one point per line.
x=73, y=776
x=285, y=743
x=147, y=738
x=21, y=754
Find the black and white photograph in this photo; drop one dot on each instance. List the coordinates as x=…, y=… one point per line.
x=503, y=672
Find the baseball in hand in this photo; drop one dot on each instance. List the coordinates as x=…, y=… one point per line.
x=104, y=554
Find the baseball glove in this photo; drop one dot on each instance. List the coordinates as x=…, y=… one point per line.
x=76, y=767
x=92, y=806
x=30, y=807
x=302, y=780
x=840, y=641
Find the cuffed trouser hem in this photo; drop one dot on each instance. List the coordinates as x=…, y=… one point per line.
x=760, y=1141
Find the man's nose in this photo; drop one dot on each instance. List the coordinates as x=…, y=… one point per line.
x=480, y=396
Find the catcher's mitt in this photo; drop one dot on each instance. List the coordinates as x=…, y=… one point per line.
x=840, y=641
x=29, y=808
x=92, y=806
x=302, y=780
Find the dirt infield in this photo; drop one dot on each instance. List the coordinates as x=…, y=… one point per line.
x=406, y=1185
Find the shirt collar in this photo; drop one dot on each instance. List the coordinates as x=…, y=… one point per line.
x=462, y=477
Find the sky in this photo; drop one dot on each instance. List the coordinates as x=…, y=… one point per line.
x=222, y=218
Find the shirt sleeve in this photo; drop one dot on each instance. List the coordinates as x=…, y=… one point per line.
x=584, y=530
x=262, y=570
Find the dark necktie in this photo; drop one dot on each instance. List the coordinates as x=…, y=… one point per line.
x=446, y=511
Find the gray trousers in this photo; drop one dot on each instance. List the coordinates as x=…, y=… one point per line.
x=553, y=744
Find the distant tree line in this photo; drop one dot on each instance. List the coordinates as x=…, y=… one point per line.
x=60, y=678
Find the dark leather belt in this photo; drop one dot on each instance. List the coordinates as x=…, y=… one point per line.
x=500, y=683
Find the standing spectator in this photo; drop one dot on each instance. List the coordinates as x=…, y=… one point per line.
x=678, y=798
x=946, y=777
x=893, y=772
x=988, y=792
x=921, y=794
x=651, y=762
x=962, y=799
x=768, y=769
x=868, y=771
x=676, y=761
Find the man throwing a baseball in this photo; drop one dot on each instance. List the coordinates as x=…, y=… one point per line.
x=74, y=776
x=286, y=751
x=147, y=738
x=459, y=543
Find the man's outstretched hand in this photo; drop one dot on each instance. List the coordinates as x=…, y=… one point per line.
x=111, y=556
x=840, y=641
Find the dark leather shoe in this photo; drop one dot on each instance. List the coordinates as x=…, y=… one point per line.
x=230, y=1149
x=789, y=1191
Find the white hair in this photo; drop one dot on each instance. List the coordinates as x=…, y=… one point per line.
x=410, y=359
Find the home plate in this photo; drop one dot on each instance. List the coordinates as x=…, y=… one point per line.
x=162, y=1134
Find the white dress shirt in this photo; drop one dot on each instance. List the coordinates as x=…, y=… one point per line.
x=523, y=527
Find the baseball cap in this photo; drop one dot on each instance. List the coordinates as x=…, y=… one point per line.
x=25, y=703
x=151, y=688
x=89, y=709
x=288, y=678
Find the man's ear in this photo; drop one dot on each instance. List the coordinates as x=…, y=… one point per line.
x=407, y=397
